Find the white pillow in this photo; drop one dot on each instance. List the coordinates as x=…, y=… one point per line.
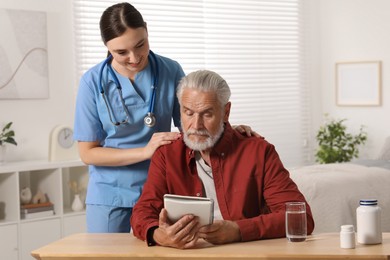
x=385, y=152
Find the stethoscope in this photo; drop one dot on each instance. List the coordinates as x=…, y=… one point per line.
x=149, y=119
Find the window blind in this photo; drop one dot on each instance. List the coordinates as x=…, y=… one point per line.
x=256, y=45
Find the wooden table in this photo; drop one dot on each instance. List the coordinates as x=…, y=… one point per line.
x=126, y=246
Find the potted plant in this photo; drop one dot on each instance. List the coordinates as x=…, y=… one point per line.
x=335, y=144
x=6, y=136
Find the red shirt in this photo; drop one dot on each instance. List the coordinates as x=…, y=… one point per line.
x=251, y=184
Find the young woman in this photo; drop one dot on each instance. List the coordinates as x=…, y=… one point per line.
x=124, y=109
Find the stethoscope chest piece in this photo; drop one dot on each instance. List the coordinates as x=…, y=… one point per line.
x=150, y=120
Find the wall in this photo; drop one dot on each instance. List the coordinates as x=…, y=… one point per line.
x=354, y=30
x=339, y=30
x=35, y=118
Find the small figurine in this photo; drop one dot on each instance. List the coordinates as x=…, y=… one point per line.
x=25, y=195
x=39, y=197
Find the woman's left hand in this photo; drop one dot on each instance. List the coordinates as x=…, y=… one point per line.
x=247, y=130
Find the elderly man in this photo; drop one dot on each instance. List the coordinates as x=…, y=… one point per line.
x=244, y=176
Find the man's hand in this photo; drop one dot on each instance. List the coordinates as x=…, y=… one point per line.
x=182, y=234
x=220, y=232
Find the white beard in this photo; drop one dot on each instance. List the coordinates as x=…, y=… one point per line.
x=207, y=144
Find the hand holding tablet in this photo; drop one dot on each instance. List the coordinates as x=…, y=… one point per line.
x=178, y=206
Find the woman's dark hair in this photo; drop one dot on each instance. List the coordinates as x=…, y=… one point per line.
x=117, y=18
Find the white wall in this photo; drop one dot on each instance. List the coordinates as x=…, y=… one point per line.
x=340, y=30
x=354, y=30
x=35, y=118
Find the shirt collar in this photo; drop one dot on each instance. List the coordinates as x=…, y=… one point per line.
x=221, y=148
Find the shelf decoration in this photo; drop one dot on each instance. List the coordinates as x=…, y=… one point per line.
x=358, y=83
x=40, y=197
x=62, y=146
x=36, y=210
x=36, y=206
x=25, y=195
x=7, y=135
x=77, y=204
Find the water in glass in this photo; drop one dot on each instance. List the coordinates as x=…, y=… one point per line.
x=296, y=227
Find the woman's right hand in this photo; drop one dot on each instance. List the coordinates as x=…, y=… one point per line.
x=91, y=153
x=159, y=139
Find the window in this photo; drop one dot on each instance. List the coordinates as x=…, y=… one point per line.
x=256, y=45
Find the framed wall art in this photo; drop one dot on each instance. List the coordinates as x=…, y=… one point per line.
x=358, y=83
x=23, y=55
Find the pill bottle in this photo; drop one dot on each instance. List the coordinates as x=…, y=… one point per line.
x=347, y=236
x=368, y=220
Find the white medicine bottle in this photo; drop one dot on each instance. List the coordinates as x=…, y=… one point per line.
x=368, y=220
x=347, y=236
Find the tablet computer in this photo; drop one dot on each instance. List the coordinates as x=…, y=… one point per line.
x=178, y=206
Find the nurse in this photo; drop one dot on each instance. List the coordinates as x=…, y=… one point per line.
x=124, y=108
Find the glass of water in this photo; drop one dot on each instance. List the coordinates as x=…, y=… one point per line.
x=296, y=227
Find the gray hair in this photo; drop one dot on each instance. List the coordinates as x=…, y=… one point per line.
x=207, y=81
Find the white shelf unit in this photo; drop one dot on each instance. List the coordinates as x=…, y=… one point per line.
x=18, y=237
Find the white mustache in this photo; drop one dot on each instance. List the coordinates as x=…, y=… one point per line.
x=198, y=132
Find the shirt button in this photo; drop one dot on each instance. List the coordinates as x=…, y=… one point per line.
x=198, y=194
x=223, y=154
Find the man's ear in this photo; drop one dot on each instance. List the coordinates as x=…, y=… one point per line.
x=227, y=112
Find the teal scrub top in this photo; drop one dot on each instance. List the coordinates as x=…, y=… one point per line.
x=121, y=186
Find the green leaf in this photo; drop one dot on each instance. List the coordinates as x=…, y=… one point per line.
x=11, y=141
x=7, y=126
x=7, y=135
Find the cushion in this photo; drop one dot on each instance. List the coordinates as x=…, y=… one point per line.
x=385, y=152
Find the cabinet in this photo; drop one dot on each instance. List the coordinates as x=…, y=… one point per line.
x=18, y=237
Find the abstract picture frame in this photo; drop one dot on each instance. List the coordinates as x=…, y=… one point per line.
x=359, y=83
x=24, y=72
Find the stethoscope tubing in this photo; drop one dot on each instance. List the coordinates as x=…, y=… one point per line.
x=155, y=73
